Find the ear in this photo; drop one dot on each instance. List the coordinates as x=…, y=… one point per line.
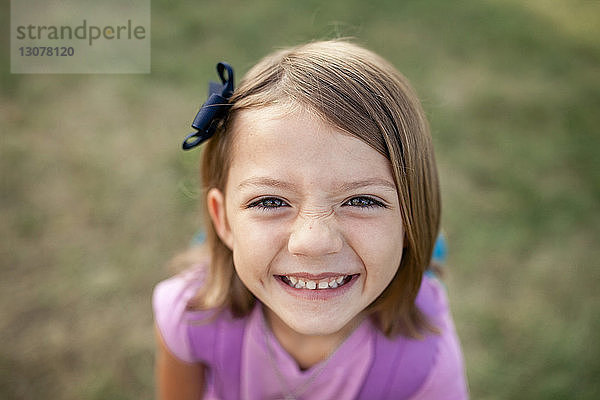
x=216, y=209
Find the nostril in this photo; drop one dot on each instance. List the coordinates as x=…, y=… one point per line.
x=314, y=235
x=313, y=244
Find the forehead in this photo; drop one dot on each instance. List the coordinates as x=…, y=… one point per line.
x=297, y=145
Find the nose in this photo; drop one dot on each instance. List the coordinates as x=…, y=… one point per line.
x=315, y=236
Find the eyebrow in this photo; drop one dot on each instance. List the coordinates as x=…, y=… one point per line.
x=384, y=183
x=343, y=187
x=266, y=181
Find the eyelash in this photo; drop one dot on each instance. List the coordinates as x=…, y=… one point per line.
x=364, y=202
x=262, y=203
x=273, y=203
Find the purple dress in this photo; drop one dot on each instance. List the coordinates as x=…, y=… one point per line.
x=244, y=360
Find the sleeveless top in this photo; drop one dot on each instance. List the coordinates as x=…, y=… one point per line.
x=243, y=359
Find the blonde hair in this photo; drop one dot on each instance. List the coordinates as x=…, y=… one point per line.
x=360, y=93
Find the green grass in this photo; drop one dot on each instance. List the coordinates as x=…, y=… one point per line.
x=95, y=196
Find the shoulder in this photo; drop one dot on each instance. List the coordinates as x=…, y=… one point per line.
x=446, y=377
x=420, y=369
x=188, y=335
x=179, y=289
x=432, y=298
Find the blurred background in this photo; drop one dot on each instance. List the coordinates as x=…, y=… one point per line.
x=96, y=196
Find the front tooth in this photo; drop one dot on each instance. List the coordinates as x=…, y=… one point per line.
x=323, y=285
x=339, y=279
x=293, y=279
x=311, y=285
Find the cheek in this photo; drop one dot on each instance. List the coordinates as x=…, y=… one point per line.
x=257, y=236
x=379, y=244
x=255, y=244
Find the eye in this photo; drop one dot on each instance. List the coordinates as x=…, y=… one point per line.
x=363, y=202
x=268, y=203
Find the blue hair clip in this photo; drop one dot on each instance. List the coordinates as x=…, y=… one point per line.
x=213, y=110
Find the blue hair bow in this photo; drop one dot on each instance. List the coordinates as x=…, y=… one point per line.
x=213, y=110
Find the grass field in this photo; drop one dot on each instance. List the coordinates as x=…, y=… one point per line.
x=96, y=197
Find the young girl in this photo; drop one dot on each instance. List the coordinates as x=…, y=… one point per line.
x=323, y=209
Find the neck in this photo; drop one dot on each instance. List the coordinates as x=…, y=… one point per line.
x=308, y=350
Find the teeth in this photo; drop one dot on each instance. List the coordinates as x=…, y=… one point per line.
x=300, y=283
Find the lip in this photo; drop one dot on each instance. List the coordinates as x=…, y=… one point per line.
x=318, y=294
x=316, y=277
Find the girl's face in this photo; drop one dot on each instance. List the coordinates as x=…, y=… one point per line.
x=312, y=217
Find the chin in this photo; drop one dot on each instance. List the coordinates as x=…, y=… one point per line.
x=316, y=326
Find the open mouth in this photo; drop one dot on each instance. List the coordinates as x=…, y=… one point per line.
x=320, y=284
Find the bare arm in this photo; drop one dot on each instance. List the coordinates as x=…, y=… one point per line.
x=175, y=379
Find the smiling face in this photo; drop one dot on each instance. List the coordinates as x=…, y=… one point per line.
x=312, y=217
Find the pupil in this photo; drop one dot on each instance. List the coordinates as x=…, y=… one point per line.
x=271, y=203
x=361, y=202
